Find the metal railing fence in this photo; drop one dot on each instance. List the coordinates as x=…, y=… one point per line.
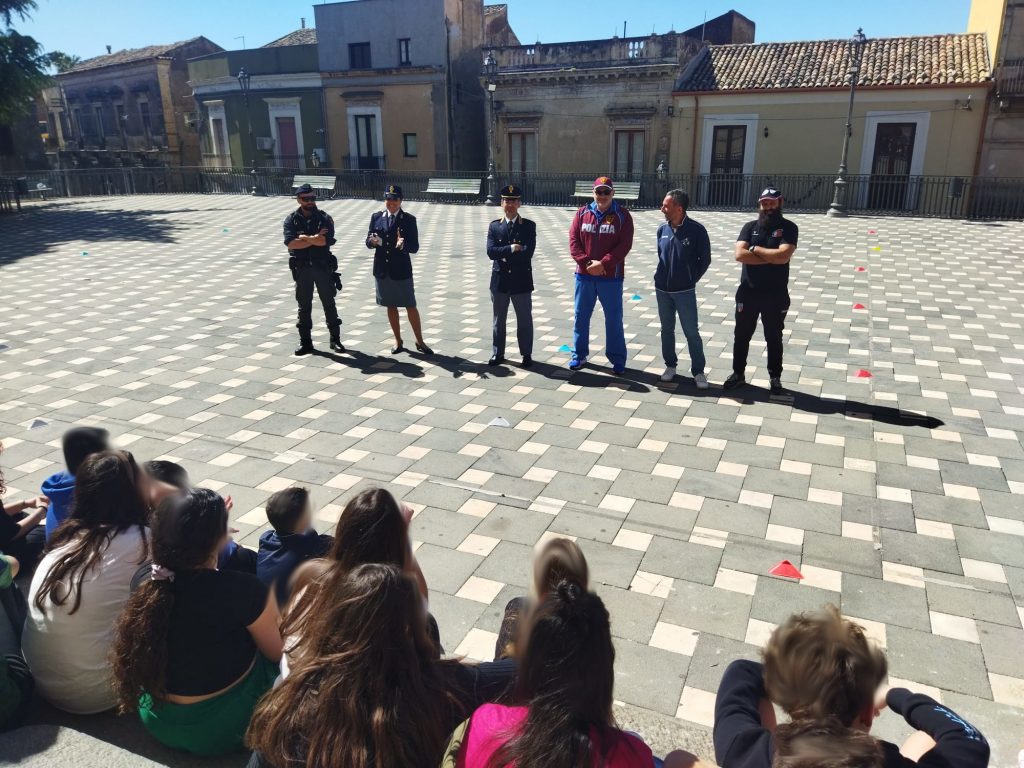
x=959, y=197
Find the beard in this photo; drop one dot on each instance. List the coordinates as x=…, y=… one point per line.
x=770, y=219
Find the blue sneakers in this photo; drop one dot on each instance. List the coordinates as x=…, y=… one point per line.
x=575, y=364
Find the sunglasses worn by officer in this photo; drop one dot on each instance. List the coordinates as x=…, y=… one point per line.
x=307, y=199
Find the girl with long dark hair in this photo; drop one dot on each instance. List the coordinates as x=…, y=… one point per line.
x=196, y=647
x=366, y=689
x=83, y=582
x=564, y=695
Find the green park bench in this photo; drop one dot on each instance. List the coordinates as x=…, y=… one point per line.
x=624, y=190
x=326, y=183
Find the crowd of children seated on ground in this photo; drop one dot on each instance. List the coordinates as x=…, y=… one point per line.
x=321, y=651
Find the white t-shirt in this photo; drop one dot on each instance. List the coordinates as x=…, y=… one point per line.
x=69, y=654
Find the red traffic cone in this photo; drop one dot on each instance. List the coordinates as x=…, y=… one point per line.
x=872, y=231
x=861, y=269
x=859, y=306
x=786, y=569
x=862, y=374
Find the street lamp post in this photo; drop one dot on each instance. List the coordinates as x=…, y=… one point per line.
x=243, y=83
x=491, y=71
x=838, y=207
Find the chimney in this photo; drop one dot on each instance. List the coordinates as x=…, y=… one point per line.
x=303, y=20
x=108, y=49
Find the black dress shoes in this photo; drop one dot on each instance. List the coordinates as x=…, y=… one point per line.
x=496, y=360
x=527, y=361
x=304, y=348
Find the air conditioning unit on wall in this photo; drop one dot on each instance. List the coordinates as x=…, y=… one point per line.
x=265, y=143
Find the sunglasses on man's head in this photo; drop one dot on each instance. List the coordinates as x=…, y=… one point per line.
x=309, y=199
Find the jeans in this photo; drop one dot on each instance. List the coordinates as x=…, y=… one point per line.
x=523, y=305
x=683, y=304
x=772, y=309
x=590, y=290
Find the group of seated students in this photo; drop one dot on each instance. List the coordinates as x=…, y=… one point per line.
x=321, y=651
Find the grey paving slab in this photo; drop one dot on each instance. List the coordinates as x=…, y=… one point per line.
x=887, y=602
x=682, y=560
x=776, y=598
x=649, y=677
x=954, y=665
x=707, y=609
x=713, y=654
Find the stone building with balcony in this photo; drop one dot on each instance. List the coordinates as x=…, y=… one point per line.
x=1002, y=148
x=401, y=88
x=280, y=121
x=594, y=106
x=128, y=107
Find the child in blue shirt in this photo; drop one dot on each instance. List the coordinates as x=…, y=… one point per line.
x=292, y=542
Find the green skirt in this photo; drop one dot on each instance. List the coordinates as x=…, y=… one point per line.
x=212, y=727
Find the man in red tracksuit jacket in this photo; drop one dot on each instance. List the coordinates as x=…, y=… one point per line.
x=600, y=236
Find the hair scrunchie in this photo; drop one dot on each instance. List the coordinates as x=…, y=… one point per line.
x=159, y=573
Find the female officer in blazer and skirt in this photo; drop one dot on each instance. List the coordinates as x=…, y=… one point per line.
x=393, y=238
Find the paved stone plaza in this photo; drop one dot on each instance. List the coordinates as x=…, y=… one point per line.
x=899, y=495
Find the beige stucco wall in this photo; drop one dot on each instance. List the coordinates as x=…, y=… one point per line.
x=805, y=129
x=987, y=17
x=575, y=129
x=405, y=108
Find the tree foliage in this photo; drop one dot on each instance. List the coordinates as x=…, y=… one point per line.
x=23, y=63
x=61, y=61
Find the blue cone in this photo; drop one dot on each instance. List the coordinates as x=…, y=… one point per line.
x=565, y=348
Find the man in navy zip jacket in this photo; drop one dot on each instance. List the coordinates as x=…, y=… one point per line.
x=600, y=236
x=743, y=741
x=684, y=255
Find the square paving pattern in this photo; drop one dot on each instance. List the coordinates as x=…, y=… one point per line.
x=891, y=476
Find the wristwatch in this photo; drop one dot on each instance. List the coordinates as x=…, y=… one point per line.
x=751, y=249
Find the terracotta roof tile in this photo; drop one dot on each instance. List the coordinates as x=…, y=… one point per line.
x=934, y=60
x=128, y=56
x=304, y=36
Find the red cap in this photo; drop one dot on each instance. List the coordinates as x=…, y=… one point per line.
x=604, y=181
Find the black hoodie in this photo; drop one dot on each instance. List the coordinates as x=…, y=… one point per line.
x=742, y=742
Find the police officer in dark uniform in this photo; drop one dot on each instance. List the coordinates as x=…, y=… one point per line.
x=764, y=248
x=393, y=236
x=511, y=241
x=309, y=235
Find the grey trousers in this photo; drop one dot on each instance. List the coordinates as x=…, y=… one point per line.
x=523, y=305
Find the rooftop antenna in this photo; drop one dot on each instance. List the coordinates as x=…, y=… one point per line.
x=242, y=38
x=703, y=25
x=623, y=30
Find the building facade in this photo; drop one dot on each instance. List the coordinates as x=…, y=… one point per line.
x=1002, y=23
x=128, y=107
x=400, y=83
x=279, y=123
x=780, y=109
x=595, y=106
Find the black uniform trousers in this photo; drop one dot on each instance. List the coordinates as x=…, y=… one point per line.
x=523, y=305
x=308, y=275
x=772, y=309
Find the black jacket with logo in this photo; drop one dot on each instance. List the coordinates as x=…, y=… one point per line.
x=511, y=272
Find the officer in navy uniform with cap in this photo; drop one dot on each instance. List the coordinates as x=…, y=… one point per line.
x=511, y=241
x=764, y=248
x=309, y=235
x=393, y=236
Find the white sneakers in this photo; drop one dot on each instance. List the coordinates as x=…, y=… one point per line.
x=701, y=380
